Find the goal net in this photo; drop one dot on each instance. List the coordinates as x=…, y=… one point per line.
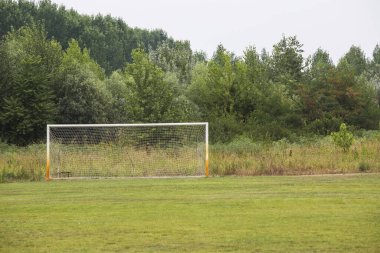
x=127, y=150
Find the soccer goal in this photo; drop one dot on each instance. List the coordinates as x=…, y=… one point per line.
x=127, y=150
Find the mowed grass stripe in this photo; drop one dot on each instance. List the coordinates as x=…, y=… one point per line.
x=228, y=214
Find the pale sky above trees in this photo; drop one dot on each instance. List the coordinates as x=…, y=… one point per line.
x=333, y=25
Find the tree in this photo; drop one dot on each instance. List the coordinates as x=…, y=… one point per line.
x=151, y=96
x=213, y=84
x=214, y=90
x=356, y=59
x=367, y=111
x=288, y=61
x=343, y=138
x=374, y=77
x=15, y=14
x=320, y=66
x=317, y=95
x=376, y=54
x=174, y=57
x=199, y=56
x=110, y=40
x=116, y=85
x=29, y=62
x=256, y=70
x=81, y=95
x=276, y=114
x=277, y=109
x=252, y=76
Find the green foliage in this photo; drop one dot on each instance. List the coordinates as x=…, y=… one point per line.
x=320, y=66
x=109, y=40
x=26, y=102
x=258, y=69
x=376, y=55
x=175, y=58
x=287, y=60
x=117, y=88
x=149, y=96
x=344, y=138
x=15, y=14
x=81, y=95
x=215, y=90
x=109, y=72
x=356, y=59
x=324, y=125
x=275, y=116
x=76, y=57
x=152, y=95
x=335, y=94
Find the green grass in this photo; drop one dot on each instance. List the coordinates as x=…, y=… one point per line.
x=227, y=214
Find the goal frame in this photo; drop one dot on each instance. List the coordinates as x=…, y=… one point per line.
x=48, y=126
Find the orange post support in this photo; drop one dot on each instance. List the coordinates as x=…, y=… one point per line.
x=47, y=176
x=207, y=168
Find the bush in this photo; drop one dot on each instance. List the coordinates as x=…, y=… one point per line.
x=363, y=167
x=343, y=138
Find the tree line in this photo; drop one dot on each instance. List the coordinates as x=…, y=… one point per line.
x=57, y=66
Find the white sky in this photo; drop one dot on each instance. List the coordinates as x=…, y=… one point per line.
x=333, y=25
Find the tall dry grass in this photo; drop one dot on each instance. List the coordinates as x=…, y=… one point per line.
x=240, y=157
x=22, y=163
x=306, y=157
x=111, y=160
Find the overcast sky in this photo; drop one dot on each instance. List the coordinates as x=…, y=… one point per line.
x=333, y=25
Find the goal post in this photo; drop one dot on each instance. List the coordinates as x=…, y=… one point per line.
x=126, y=150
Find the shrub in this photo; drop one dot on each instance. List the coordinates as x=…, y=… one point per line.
x=363, y=167
x=344, y=138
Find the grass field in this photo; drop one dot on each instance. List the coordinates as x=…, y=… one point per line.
x=226, y=214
